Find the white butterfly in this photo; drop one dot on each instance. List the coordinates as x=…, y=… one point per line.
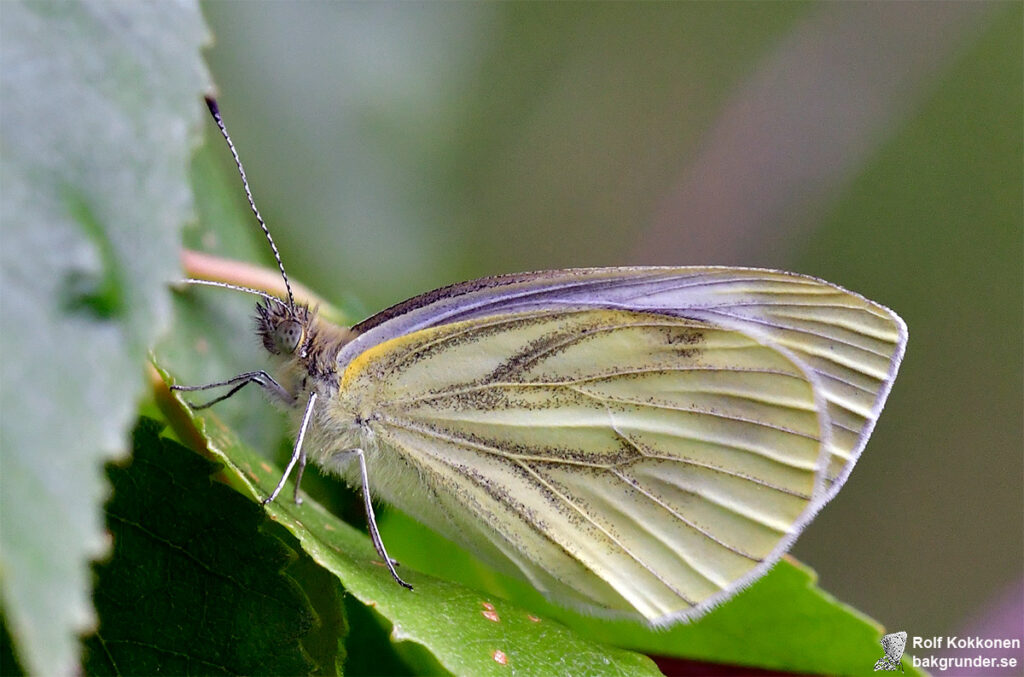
x=632, y=441
x=894, y=644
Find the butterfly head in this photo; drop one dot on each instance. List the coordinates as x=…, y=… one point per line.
x=301, y=340
x=282, y=328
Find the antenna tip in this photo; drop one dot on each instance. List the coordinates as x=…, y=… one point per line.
x=211, y=103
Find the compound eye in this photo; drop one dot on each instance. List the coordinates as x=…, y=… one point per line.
x=287, y=336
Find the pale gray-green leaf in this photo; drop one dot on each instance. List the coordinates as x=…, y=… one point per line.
x=100, y=109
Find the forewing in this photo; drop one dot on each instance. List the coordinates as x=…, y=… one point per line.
x=894, y=644
x=852, y=346
x=627, y=461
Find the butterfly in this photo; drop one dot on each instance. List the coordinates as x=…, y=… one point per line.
x=894, y=644
x=639, y=442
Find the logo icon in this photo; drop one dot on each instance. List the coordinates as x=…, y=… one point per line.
x=894, y=643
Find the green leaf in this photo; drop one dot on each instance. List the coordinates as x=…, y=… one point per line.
x=193, y=585
x=782, y=622
x=327, y=642
x=370, y=650
x=100, y=110
x=9, y=666
x=453, y=627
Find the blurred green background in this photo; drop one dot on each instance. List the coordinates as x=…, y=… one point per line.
x=395, y=148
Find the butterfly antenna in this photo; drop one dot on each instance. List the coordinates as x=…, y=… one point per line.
x=211, y=103
x=247, y=290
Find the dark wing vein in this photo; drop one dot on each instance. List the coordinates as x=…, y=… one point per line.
x=476, y=387
x=697, y=464
x=523, y=458
x=807, y=332
x=693, y=410
x=583, y=513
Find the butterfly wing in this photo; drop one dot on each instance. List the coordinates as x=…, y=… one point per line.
x=640, y=441
x=632, y=462
x=883, y=665
x=852, y=345
x=894, y=645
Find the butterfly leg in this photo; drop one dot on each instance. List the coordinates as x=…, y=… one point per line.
x=298, y=455
x=371, y=520
x=260, y=378
x=298, y=479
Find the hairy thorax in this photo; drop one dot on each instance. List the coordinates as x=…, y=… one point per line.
x=336, y=423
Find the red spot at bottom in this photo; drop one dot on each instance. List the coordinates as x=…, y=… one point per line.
x=489, y=612
x=499, y=657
